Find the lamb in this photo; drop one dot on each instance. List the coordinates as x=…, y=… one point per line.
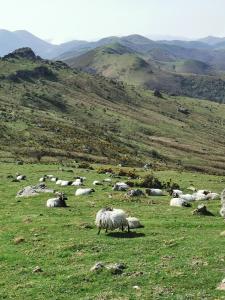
x=81, y=192
x=58, y=201
x=111, y=219
x=154, y=192
x=222, y=210
x=120, y=186
x=179, y=202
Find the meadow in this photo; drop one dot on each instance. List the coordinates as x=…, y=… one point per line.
x=176, y=255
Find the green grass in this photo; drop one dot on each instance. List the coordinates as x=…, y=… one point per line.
x=181, y=255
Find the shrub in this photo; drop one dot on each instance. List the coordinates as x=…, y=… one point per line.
x=151, y=181
x=85, y=165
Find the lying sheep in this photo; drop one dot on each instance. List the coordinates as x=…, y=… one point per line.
x=212, y=196
x=58, y=182
x=58, y=201
x=20, y=177
x=154, y=192
x=81, y=192
x=187, y=197
x=54, y=179
x=179, y=202
x=77, y=182
x=66, y=183
x=97, y=182
x=176, y=193
x=111, y=219
x=120, y=186
x=135, y=193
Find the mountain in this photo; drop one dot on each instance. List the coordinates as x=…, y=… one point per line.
x=52, y=112
x=212, y=40
x=10, y=41
x=193, y=67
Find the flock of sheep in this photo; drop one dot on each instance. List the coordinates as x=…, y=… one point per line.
x=109, y=218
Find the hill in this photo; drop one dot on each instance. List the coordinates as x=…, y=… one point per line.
x=52, y=112
x=133, y=68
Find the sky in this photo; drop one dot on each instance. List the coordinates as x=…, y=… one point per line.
x=63, y=20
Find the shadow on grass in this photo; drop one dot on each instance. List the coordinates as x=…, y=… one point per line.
x=126, y=235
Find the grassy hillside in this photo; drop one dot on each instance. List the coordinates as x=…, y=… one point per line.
x=51, y=112
x=174, y=256
x=190, y=78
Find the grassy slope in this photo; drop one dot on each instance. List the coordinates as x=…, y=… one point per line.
x=138, y=69
x=181, y=255
x=114, y=121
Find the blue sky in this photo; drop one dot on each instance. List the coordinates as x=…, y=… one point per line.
x=63, y=20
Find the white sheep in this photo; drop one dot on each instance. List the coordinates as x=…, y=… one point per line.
x=134, y=223
x=107, y=180
x=54, y=179
x=176, y=193
x=179, y=202
x=77, y=182
x=111, y=219
x=120, y=186
x=154, y=192
x=58, y=182
x=81, y=192
x=20, y=177
x=58, y=201
x=97, y=182
x=187, y=197
x=212, y=196
x=66, y=183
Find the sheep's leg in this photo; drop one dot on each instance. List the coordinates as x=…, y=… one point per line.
x=122, y=227
x=99, y=230
x=106, y=230
x=128, y=228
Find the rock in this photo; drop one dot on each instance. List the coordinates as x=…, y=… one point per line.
x=37, y=269
x=221, y=286
x=201, y=210
x=29, y=191
x=97, y=267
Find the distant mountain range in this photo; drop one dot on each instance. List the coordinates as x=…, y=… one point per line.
x=190, y=68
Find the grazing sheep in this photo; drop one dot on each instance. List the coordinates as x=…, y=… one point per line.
x=154, y=192
x=81, y=192
x=222, y=210
x=179, y=202
x=111, y=219
x=120, y=186
x=134, y=223
x=58, y=201
x=43, y=179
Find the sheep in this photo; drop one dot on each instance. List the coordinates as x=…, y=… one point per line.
x=135, y=193
x=187, y=197
x=66, y=183
x=54, y=179
x=201, y=195
x=58, y=182
x=107, y=180
x=212, y=196
x=154, y=192
x=134, y=223
x=43, y=179
x=96, y=182
x=77, y=182
x=50, y=176
x=111, y=219
x=58, y=201
x=222, y=210
x=20, y=177
x=120, y=186
x=179, y=202
x=81, y=192
x=176, y=193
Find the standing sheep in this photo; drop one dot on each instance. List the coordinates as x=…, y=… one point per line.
x=111, y=219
